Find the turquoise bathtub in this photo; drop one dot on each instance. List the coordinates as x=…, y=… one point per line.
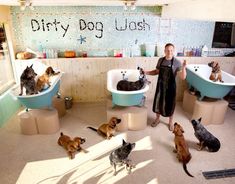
x=125, y=98
x=198, y=77
x=42, y=99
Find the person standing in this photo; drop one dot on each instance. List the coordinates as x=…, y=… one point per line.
x=165, y=96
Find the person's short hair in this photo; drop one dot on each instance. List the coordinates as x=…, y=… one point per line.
x=169, y=44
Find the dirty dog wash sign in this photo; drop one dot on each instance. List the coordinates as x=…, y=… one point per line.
x=97, y=28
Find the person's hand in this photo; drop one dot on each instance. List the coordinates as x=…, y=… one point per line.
x=184, y=63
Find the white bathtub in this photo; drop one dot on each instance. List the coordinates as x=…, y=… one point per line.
x=198, y=77
x=125, y=98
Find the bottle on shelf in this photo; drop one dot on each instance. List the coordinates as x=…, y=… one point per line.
x=204, y=51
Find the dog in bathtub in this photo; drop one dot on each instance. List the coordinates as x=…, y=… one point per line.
x=125, y=85
x=216, y=74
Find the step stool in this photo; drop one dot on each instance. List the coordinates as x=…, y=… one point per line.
x=133, y=118
x=39, y=121
x=212, y=111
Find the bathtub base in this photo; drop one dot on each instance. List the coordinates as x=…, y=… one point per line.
x=211, y=111
x=39, y=121
x=128, y=100
x=133, y=118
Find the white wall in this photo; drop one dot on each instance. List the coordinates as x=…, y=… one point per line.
x=211, y=10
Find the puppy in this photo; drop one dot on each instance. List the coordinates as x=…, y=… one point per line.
x=181, y=147
x=107, y=129
x=27, y=80
x=120, y=156
x=216, y=73
x=80, y=141
x=43, y=80
x=69, y=145
x=206, y=139
x=124, y=85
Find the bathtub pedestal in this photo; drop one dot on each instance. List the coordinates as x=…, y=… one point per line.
x=39, y=121
x=211, y=111
x=133, y=118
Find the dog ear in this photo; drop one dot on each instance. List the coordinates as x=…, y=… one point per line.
x=123, y=142
x=31, y=66
x=200, y=119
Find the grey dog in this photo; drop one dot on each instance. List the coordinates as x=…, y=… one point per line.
x=120, y=156
x=206, y=139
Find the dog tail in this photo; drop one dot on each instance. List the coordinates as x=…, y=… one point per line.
x=185, y=169
x=94, y=129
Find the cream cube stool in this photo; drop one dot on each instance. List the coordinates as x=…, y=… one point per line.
x=59, y=104
x=133, y=118
x=28, y=123
x=47, y=120
x=212, y=112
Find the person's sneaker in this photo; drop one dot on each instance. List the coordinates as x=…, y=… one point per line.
x=155, y=123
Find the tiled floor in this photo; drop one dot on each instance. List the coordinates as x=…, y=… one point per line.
x=38, y=159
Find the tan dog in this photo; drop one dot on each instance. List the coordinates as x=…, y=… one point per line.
x=80, y=141
x=107, y=129
x=44, y=79
x=181, y=147
x=216, y=73
x=71, y=146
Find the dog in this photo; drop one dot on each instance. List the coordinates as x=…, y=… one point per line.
x=125, y=85
x=206, y=139
x=71, y=146
x=80, y=141
x=107, y=129
x=216, y=73
x=120, y=156
x=27, y=80
x=181, y=147
x=43, y=80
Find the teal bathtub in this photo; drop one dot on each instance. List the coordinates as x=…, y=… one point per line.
x=125, y=98
x=42, y=99
x=198, y=78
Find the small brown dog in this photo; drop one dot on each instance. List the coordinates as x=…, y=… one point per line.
x=71, y=146
x=216, y=73
x=44, y=79
x=80, y=141
x=181, y=147
x=107, y=129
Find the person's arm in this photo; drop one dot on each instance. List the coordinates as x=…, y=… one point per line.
x=152, y=72
x=183, y=72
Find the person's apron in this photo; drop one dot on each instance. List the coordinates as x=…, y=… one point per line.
x=164, y=99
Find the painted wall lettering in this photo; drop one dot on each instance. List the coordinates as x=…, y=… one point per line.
x=38, y=25
x=131, y=25
x=98, y=26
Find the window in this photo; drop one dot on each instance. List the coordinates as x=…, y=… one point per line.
x=7, y=79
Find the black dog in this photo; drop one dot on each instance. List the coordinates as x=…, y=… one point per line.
x=124, y=85
x=206, y=139
x=120, y=156
x=27, y=80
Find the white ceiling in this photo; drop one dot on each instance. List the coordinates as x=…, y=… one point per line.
x=91, y=2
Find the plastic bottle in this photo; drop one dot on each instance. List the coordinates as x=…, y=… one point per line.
x=204, y=51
